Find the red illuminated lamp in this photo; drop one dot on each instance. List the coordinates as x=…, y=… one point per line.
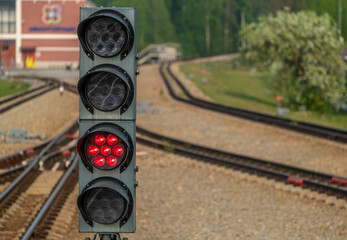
x=105, y=150
x=118, y=150
x=99, y=161
x=93, y=150
x=111, y=161
x=111, y=139
x=99, y=139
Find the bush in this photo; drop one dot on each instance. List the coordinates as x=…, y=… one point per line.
x=301, y=53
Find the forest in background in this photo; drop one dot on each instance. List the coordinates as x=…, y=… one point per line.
x=210, y=27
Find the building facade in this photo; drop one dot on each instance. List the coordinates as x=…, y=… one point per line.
x=40, y=33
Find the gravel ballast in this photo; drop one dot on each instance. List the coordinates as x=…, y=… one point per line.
x=234, y=134
x=186, y=199
x=48, y=114
x=181, y=198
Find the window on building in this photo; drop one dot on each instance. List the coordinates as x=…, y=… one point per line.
x=7, y=17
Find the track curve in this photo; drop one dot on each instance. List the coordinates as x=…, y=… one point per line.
x=331, y=133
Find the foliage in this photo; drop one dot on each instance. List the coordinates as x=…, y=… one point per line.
x=152, y=26
x=167, y=146
x=235, y=85
x=11, y=87
x=189, y=22
x=300, y=51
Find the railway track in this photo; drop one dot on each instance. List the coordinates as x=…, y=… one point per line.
x=52, y=217
x=17, y=171
x=43, y=207
x=23, y=198
x=36, y=180
x=170, y=79
x=317, y=181
x=25, y=155
x=12, y=101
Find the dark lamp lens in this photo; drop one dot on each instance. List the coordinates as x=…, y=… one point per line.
x=99, y=161
x=118, y=150
x=111, y=139
x=106, y=91
x=93, y=150
x=106, y=37
x=105, y=150
x=99, y=139
x=111, y=161
x=104, y=205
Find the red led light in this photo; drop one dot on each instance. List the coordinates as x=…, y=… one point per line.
x=93, y=150
x=118, y=150
x=99, y=139
x=99, y=161
x=111, y=161
x=111, y=139
x=105, y=150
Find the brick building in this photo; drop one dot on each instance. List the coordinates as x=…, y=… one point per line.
x=39, y=33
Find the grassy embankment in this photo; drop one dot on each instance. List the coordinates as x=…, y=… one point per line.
x=11, y=87
x=248, y=89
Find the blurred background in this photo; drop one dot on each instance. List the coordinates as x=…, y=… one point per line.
x=284, y=58
x=288, y=55
x=211, y=27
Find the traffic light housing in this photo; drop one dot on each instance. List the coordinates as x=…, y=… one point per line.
x=107, y=120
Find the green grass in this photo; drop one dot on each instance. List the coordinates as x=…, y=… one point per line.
x=249, y=90
x=9, y=87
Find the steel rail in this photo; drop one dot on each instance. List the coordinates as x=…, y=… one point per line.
x=57, y=190
x=17, y=157
x=21, y=94
x=194, y=151
x=13, y=161
x=34, y=163
x=70, y=88
x=322, y=131
x=213, y=151
x=51, y=159
x=282, y=172
x=14, y=169
x=25, y=99
x=26, y=168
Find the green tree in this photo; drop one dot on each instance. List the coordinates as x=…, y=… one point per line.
x=300, y=51
x=153, y=20
x=210, y=27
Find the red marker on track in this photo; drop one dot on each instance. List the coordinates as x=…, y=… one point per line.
x=295, y=180
x=29, y=151
x=338, y=180
x=66, y=153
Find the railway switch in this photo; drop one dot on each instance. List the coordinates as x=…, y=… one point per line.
x=107, y=121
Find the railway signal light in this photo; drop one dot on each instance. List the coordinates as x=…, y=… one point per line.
x=106, y=146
